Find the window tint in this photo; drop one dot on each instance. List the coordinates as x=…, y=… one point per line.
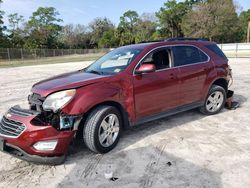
x=160, y=58
x=214, y=48
x=185, y=55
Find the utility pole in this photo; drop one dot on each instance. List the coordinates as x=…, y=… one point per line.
x=248, y=32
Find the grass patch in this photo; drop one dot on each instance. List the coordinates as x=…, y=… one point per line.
x=51, y=60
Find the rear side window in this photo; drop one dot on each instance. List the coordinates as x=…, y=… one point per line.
x=214, y=48
x=186, y=55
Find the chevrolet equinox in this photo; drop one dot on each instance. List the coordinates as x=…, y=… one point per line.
x=128, y=86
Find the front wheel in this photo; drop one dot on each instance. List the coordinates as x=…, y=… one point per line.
x=102, y=129
x=215, y=100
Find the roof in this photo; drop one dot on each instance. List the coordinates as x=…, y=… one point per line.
x=172, y=41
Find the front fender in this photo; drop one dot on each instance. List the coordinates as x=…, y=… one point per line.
x=89, y=96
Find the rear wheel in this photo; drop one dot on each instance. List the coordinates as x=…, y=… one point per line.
x=102, y=129
x=215, y=100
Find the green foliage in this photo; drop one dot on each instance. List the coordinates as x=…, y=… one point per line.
x=126, y=30
x=4, y=41
x=98, y=27
x=108, y=39
x=244, y=20
x=44, y=27
x=214, y=19
x=74, y=36
x=144, y=31
x=171, y=15
x=17, y=34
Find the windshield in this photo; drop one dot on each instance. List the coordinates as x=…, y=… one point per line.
x=114, y=62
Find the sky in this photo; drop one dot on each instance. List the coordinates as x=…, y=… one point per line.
x=84, y=11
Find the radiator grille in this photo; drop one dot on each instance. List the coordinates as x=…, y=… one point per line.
x=11, y=128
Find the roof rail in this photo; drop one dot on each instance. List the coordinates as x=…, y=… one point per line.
x=147, y=41
x=181, y=39
x=175, y=39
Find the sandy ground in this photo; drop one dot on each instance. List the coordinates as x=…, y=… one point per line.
x=185, y=150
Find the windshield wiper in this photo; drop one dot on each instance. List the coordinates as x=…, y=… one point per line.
x=94, y=72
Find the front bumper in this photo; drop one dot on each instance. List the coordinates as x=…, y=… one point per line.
x=21, y=145
x=20, y=154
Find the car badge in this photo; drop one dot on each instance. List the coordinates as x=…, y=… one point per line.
x=8, y=115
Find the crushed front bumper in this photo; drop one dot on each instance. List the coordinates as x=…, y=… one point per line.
x=18, y=136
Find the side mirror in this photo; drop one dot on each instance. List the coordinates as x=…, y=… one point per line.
x=145, y=68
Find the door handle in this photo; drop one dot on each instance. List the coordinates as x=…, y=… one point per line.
x=172, y=76
x=205, y=68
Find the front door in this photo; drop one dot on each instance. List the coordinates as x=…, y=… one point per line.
x=157, y=91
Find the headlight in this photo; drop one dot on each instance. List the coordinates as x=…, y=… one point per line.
x=58, y=100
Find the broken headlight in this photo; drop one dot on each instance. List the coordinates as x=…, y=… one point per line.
x=58, y=100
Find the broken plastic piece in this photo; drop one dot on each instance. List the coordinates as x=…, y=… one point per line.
x=230, y=104
x=108, y=175
x=169, y=163
x=113, y=179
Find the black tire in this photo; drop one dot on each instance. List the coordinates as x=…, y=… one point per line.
x=215, y=88
x=92, y=127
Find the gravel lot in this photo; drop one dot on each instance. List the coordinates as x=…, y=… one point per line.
x=185, y=150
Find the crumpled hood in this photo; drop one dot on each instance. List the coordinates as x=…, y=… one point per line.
x=66, y=81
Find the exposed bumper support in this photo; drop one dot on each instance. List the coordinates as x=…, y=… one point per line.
x=22, y=145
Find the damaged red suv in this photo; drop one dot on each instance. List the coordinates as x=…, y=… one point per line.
x=128, y=86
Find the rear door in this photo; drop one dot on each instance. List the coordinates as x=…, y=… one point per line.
x=194, y=67
x=158, y=91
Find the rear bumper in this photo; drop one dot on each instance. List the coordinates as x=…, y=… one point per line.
x=22, y=145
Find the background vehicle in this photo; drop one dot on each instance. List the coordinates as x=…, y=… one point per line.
x=130, y=85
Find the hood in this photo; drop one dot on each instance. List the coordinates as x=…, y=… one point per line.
x=65, y=81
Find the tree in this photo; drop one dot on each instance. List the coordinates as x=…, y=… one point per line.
x=126, y=30
x=44, y=27
x=144, y=30
x=108, y=39
x=16, y=33
x=97, y=28
x=244, y=20
x=74, y=36
x=3, y=38
x=170, y=17
x=214, y=19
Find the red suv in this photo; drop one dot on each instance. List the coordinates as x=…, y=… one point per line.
x=128, y=86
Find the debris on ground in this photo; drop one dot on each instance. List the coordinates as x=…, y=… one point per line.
x=169, y=163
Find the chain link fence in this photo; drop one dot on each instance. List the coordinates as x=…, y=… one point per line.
x=11, y=54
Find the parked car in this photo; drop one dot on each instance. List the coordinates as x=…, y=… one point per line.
x=128, y=86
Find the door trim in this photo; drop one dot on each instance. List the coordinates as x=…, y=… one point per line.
x=171, y=112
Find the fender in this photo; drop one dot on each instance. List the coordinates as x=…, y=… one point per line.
x=216, y=74
x=92, y=94
x=120, y=92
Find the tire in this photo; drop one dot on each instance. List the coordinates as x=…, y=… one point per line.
x=215, y=100
x=102, y=129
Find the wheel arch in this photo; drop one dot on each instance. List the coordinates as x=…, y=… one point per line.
x=118, y=106
x=221, y=82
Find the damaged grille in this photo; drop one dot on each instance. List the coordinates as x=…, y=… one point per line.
x=16, y=110
x=11, y=128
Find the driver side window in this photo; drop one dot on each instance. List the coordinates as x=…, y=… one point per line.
x=160, y=58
